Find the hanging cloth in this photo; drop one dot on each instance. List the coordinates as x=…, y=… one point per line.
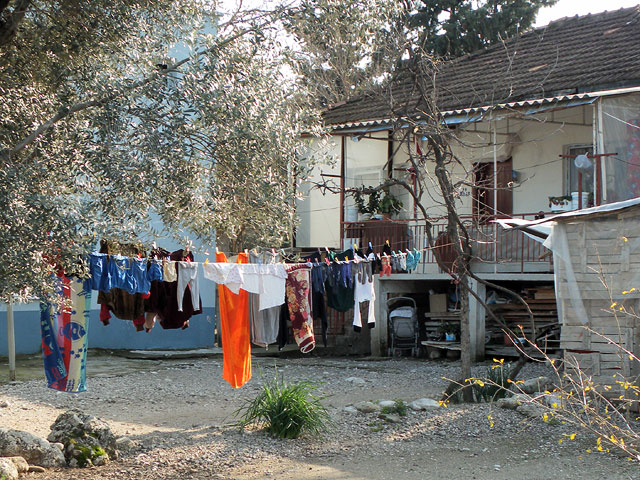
x=65, y=337
x=298, y=293
x=234, y=327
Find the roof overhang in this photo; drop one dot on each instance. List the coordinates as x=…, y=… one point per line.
x=490, y=112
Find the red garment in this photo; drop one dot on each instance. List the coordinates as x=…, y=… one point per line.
x=234, y=327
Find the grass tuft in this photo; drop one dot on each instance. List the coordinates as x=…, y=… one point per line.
x=286, y=410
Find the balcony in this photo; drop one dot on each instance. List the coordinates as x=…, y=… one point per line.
x=495, y=249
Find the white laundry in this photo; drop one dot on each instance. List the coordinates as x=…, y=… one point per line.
x=266, y=280
x=363, y=291
x=169, y=271
x=227, y=274
x=188, y=276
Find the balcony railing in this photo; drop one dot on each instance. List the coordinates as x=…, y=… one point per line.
x=494, y=248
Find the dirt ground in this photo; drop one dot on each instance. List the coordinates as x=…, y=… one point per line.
x=179, y=412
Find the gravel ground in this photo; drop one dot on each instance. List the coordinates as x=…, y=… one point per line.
x=180, y=415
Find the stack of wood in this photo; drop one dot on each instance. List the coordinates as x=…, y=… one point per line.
x=543, y=330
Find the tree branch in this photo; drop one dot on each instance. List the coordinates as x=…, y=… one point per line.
x=9, y=22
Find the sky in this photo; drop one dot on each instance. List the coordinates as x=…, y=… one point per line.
x=569, y=8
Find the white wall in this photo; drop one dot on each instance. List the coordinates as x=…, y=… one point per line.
x=534, y=145
x=318, y=214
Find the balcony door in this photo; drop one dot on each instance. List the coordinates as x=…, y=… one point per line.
x=483, y=191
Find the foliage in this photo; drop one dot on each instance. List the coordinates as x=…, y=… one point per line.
x=451, y=28
x=287, y=410
x=399, y=407
x=389, y=204
x=379, y=201
x=346, y=48
x=134, y=120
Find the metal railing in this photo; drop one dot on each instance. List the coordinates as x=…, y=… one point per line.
x=511, y=250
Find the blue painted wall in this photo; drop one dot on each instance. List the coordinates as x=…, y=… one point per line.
x=119, y=334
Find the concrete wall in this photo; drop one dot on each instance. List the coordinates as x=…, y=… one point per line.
x=119, y=334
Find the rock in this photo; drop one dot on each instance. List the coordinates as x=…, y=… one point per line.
x=101, y=460
x=533, y=385
x=390, y=417
x=85, y=437
x=124, y=444
x=350, y=409
x=355, y=380
x=386, y=403
x=4, y=404
x=423, y=404
x=367, y=407
x=530, y=410
x=513, y=401
x=58, y=445
x=8, y=470
x=36, y=469
x=33, y=449
x=21, y=464
x=552, y=400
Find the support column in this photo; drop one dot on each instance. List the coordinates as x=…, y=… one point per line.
x=11, y=338
x=379, y=333
x=477, y=321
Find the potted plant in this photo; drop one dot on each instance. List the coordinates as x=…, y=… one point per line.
x=560, y=203
x=370, y=206
x=389, y=204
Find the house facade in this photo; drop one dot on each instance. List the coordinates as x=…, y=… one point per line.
x=518, y=115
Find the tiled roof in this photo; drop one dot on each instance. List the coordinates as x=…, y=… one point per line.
x=572, y=55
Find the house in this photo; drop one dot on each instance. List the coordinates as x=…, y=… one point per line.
x=520, y=114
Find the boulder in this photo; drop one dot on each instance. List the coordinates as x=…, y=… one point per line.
x=85, y=438
x=350, y=409
x=534, y=385
x=367, y=407
x=390, y=417
x=423, y=404
x=8, y=470
x=386, y=403
x=21, y=464
x=124, y=444
x=513, y=401
x=33, y=449
x=530, y=410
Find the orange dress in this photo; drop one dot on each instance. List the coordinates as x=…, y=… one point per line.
x=234, y=327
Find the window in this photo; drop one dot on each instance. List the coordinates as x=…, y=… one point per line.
x=571, y=172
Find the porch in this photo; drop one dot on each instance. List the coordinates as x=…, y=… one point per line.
x=495, y=249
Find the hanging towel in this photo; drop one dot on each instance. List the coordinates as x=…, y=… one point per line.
x=65, y=337
x=234, y=327
x=298, y=290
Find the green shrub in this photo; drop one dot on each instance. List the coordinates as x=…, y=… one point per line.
x=287, y=411
x=399, y=408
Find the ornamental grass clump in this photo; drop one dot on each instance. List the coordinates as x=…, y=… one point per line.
x=286, y=410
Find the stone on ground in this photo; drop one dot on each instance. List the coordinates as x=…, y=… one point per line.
x=21, y=464
x=387, y=403
x=86, y=439
x=423, y=404
x=33, y=449
x=367, y=407
x=8, y=470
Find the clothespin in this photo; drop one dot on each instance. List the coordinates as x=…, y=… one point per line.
x=370, y=246
x=206, y=260
x=217, y=251
x=355, y=247
x=387, y=242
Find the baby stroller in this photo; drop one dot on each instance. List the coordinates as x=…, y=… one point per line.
x=403, y=325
